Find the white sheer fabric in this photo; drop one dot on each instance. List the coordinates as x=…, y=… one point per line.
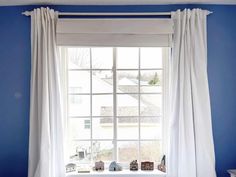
x=46, y=156
x=191, y=152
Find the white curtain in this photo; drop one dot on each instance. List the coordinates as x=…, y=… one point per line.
x=191, y=149
x=46, y=156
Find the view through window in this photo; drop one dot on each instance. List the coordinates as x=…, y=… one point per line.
x=115, y=104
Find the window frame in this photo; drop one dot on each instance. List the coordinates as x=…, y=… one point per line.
x=163, y=119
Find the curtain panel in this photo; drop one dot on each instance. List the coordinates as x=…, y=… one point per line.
x=191, y=149
x=46, y=155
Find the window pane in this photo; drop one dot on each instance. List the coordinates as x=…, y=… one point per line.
x=151, y=57
x=150, y=151
x=127, y=81
x=103, y=128
x=127, y=105
x=80, y=128
x=102, y=150
x=127, y=57
x=79, y=82
x=151, y=105
x=102, y=58
x=79, y=105
x=150, y=128
x=102, y=81
x=80, y=151
x=151, y=81
x=127, y=151
x=102, y=105
x=127, y=128
x=78, y=58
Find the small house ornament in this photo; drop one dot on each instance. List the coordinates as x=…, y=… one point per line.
x=147, y=166
x=133, y=165
x=115, y=166
x=70, y=167
x=99, y=166
x=162, y=166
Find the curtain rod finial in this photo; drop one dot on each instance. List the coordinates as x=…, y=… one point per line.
x=26, y=13
x=210, y=12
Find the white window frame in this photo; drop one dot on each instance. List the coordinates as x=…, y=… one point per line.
x=164, y=120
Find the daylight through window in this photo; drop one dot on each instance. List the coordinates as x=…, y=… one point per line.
x=115, y=103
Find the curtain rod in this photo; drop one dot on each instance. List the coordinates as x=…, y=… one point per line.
x=28, y=13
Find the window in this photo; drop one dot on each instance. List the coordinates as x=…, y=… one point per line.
x=115, y=103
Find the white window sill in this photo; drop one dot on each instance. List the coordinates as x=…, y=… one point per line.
x=124, y=173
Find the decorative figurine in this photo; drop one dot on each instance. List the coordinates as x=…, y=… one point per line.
x=162, y=166
x=133, y=166
x=147, y=165
x=114, y=167
x=99, y=166
x=70, y=167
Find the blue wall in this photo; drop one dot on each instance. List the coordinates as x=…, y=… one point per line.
x=15, y=81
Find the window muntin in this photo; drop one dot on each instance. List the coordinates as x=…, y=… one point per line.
x=122, y=98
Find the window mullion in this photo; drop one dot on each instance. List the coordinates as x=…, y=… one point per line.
x=114, y=105
x=91, y=106
x=139, y=111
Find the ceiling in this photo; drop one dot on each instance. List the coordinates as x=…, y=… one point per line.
x=111, y=2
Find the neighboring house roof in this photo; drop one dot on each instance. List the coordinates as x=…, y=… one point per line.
x=128, y=103
x=125, y=81
x=106, y=120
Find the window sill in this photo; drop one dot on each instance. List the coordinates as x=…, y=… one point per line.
x=124, y=173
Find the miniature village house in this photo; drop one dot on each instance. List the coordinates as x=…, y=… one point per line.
x=70, y=167
x=133, y=165
x=114, y=166
x=99, y=166
x=147, y=165
x=162, y=166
